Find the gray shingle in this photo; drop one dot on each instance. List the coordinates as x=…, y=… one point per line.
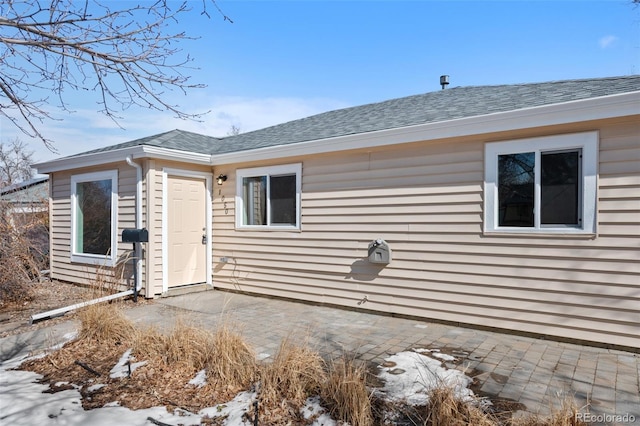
x=432, y=107
x=174, y=139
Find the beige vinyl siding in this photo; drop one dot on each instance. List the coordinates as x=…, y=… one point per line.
x=61, y=266
x=426, y=201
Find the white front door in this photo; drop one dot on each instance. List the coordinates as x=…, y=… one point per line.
x=186, y=230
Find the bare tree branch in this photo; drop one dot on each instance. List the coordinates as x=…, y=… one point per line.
x=15, y=163
x=127, y=57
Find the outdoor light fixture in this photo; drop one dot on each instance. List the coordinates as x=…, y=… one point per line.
x=221, y=179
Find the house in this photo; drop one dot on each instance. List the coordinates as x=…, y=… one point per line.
x=25, y=203
x=512, y=206
x=31, y=196
x=24, y=209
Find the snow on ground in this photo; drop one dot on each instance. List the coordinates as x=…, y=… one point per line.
x=23, y=401
x=313, y=408
x=124, y=366
x=411, y=375
x=435, y=353
x=200, y=379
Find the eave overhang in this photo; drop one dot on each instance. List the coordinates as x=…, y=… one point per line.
x=117, y=155
x=605, y=107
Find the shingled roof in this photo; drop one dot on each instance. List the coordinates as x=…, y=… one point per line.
x=432, y=107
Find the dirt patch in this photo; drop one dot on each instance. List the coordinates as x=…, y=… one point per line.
x=47, y=295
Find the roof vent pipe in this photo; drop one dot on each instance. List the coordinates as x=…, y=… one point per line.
x=444, y=80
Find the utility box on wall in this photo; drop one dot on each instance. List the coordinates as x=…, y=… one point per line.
x=379, y=252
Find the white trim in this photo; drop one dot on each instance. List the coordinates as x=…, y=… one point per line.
x=138, y=248
x=621, y=105
x=285, y=169
x=93, y=259
x=587, y=142
x=117, y=155
x=208, y=178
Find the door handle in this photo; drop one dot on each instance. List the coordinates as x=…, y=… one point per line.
x=204, y=239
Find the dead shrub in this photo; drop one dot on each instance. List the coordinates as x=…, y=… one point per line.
x=23, y=253
x=296, y=373
x=105, y=322
x=445, y=408
x=232, y=362
x=184, y=344
x=229, y=361
x=346, y=395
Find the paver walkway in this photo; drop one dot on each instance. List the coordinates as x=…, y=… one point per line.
x=534, y=372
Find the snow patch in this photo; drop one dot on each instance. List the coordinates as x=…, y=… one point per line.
x=436, y=354
x=234, y=410
x=421, y=374
x=95, y=387
x=200, y=379
x=312, y=408
x=121, y=369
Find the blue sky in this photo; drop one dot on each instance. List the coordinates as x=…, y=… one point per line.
x=280, y=61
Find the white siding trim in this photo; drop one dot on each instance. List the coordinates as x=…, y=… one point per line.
x=93, y=259
x=117, y=155
x=208, y=178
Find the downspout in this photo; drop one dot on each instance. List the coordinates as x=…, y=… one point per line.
x=138, y=208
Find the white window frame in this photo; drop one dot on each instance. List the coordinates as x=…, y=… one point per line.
x=586, y=142
x=287, y=169
x=95, y=259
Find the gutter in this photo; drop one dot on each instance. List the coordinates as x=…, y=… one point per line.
x=611, y=106
x=138, y=248
x=103, y=157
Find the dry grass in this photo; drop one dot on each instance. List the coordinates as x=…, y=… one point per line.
x=565, y=415
x=295, y=374
x=446, y=409
x=233, y=362
x=183, y=344
x=346, y=395
x=105, y=322
x=229, y=361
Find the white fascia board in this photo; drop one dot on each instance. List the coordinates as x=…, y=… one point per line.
x=567, y=112
x=117, y=155
x=175, y=155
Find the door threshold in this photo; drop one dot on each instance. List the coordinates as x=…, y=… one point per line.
x=186, y=289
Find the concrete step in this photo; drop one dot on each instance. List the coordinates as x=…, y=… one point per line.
x=186, y=289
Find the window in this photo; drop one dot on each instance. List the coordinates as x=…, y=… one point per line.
x=269, y=197
x=543, y=184
x=94, y=217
